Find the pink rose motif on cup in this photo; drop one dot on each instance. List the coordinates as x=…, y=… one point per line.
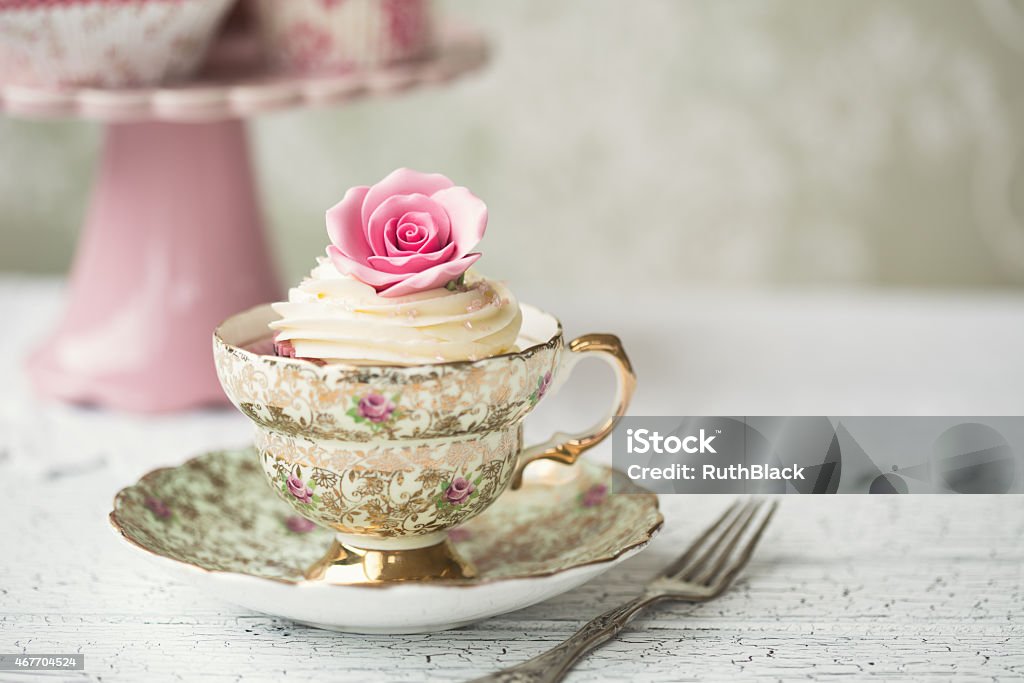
x=543, y=384
x=408, y=233
x=594, y=496
x=375, y=409
x=459, y=491
x=298, y=488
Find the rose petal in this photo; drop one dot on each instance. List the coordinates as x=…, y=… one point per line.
x=345, y=224
x=395, y=208
x=360, y=271
x=391, y=236
x=411, y=263
x=414, y=229
x=411, y=235
x=468, y=216
x=402, y=181
x=431, y=278
x=397, y=245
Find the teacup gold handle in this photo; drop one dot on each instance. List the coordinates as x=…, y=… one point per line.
x=567, y=448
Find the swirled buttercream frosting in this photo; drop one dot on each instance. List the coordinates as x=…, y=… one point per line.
x=332, y=317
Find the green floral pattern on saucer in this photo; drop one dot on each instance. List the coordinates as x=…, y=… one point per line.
x=216, y=512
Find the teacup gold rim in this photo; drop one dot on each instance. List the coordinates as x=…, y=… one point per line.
x=553, y=341
x=646, y=538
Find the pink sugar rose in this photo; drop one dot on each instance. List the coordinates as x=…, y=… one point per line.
x=408, y=233
x=458, y=491
x=299, y=489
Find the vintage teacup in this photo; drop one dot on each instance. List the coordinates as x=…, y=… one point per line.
x=393, y=456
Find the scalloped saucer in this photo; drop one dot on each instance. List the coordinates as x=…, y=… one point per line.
x=215, y=522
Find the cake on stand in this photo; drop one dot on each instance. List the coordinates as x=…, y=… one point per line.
x=173, y=241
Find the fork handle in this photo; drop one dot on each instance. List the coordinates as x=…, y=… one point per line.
x=554, y=664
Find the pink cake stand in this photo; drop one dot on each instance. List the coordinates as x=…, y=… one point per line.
x=173, y=241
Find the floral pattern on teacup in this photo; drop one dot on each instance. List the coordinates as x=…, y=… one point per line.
x=374, y=409
x=298, y=488
x=457, y=491
x=391, y=489
x=386, y=451
x=294, y=487
x=543, y=384
x=434, y=401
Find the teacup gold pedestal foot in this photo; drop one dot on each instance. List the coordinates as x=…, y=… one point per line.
x=347, y=565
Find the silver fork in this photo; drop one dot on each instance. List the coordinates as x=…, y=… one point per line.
x=701, y=573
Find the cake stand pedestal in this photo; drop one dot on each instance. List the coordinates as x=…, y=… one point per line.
x=173, y=242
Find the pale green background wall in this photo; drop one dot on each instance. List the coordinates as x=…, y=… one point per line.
x=665, y=141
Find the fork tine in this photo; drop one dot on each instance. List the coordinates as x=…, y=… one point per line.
x=712, y=569
x=684, y=559
x=730, y=533
x=721, y=582
x=711, y=542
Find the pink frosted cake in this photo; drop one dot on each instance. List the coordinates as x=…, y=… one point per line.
x=342, y=35
x=105, y=43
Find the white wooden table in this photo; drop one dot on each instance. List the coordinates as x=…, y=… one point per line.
x=847, y=587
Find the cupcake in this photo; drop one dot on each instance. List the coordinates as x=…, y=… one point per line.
x=397, y=286
x=105, y=44
x=409, y=420
x=309, y=36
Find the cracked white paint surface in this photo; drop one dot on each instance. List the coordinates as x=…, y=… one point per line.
x=842, y=588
